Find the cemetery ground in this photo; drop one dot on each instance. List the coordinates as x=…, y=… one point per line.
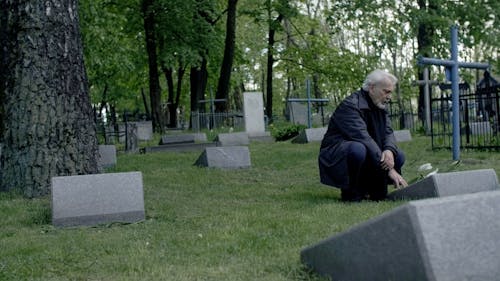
x=205, y=223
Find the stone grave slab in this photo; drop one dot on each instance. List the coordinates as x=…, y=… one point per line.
x=310, y=135
x=88, y=200
x=402, y=135
x=182, y=138
x=448, y=184
x=232, y=139
x=107, y=155
x=177, y=138
x=443, y=239
x=225, y=157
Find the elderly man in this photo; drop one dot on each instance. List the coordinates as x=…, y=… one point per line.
x=358, y=153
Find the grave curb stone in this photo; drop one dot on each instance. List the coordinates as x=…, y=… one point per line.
x=448, y=184
x=445, y=239
x=87, y=200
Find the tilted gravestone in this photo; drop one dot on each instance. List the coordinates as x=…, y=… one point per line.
x=232, y=139
x=448, y=184
x=107, y=155
x=226, y=157
x=310, y=135
x=402, y=135
x=97, y=199
x=443, y=239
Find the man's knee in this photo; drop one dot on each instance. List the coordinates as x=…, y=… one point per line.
x=356, y=152
x=399, y=160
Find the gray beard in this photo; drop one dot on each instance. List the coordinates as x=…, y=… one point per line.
x=381, y=105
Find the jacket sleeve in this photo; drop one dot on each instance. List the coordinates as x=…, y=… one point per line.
x=352, y=126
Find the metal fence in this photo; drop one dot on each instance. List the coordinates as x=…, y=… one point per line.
x=403, y=116
x=479, y=116
x=200, y=120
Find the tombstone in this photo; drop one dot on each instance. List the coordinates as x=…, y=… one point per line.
x=253, y=107
x=480, y=128
x=452, y=238
x=402, y=135
x=298, y=113
x=226, y=157
x=232, y=139
x=448, y=184
x=144, y=130
x=310, y=135
x=88, y=200
x=107, y=156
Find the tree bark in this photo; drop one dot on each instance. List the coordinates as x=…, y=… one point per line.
x=48, y=128
x=227, y=61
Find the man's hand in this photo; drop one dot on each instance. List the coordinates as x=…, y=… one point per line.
x=387, y=160
x=398, y=180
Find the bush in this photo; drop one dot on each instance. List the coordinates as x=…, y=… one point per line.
x=285, y=131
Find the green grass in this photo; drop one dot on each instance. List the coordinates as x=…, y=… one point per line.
x=203, y=223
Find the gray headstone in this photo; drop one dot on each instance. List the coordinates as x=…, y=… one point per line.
x=96, y=199
x=443, y=239
x=253, y=108
x=226, y=157
x=310, y=135
x=448, y=184
x=402, y=135
x=298, y=113
x=480, y=128
x=107, y=155
x=232, y=139
x=144, y=130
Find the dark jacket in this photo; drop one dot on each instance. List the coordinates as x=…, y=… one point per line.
x=357, y=118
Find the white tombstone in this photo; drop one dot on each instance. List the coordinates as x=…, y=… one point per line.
x=253, y=108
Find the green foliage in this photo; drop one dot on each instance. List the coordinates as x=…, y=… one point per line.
x=282, y=131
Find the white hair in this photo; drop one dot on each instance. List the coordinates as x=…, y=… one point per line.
x=377, y=76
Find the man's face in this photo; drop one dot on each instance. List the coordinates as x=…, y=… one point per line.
x=381, y=93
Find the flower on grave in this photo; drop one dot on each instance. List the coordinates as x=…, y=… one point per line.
x=425, y=167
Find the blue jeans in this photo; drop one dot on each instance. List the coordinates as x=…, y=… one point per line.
x=366, y=180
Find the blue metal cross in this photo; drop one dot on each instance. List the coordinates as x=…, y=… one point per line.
x=454, y=64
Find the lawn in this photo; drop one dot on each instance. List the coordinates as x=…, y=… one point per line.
x=204, y=223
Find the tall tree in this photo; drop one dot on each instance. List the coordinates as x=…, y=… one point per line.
x=50, y=129
x=149, y=12
x=227, y=62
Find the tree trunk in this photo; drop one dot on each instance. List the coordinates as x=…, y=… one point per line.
x=154, y=79
x=49, y=130
x=270, y=63
x=227, y=62
x=424, y=40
